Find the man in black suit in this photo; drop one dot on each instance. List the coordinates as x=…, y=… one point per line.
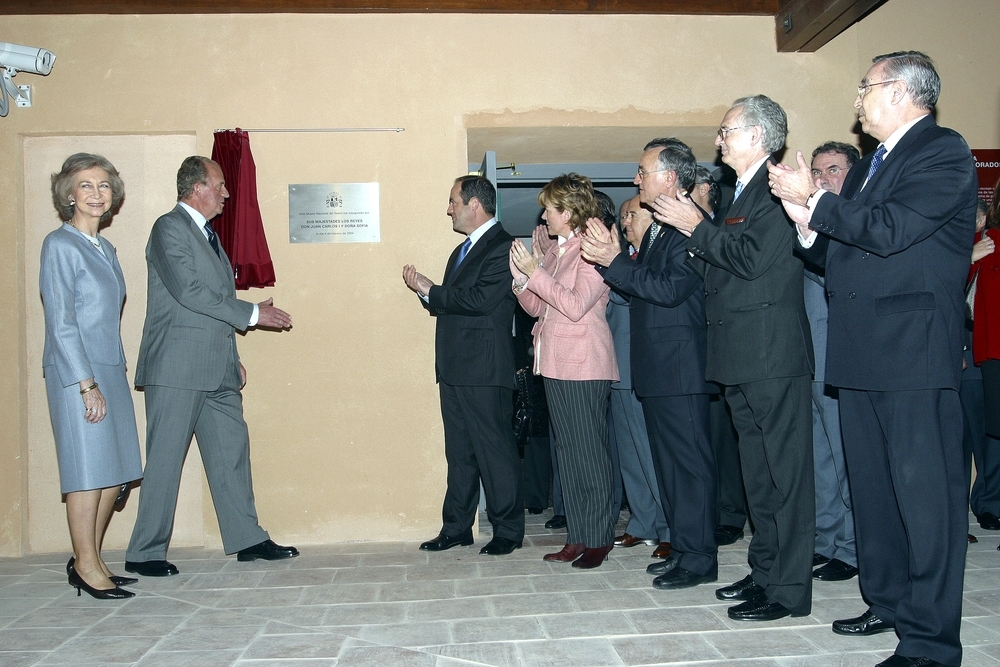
x=759, y=349
x=474, y=356
x=896, y=246
x=668, y=366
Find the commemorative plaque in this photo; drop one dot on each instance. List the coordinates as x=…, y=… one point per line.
x=333, y=213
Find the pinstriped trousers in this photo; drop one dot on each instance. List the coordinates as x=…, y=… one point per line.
x=578, y=410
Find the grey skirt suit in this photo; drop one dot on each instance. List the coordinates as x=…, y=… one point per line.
x=83, y=291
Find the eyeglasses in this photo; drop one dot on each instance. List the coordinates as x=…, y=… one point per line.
x=643, y=173
x=865, y=87
x=724, y=131
x=829, y=171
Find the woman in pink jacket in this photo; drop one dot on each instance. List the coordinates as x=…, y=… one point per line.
x=575, y=356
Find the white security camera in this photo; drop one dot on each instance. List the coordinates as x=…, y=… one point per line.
x=15, y=58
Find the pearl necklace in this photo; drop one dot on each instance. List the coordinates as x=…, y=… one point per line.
x=94, y=241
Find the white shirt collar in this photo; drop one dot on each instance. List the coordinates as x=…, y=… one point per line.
x=894, y=138
x=752, y=171
x=198, y=218
x=480, y=230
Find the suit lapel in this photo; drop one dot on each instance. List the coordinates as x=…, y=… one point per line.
x=477, y=249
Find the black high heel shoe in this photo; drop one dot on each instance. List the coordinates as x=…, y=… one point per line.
x=115, y=593
x=115, y=579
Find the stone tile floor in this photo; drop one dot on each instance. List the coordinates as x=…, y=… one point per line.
x=389, y=604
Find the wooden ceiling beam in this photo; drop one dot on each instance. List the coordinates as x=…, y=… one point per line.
x=689, y=7
x=806, y=25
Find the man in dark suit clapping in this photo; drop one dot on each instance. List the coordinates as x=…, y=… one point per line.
x=896, y=246
x=760, y=350
x=474, y=354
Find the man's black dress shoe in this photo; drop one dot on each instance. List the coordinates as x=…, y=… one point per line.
x=819, y=559
x=151, y=568
x=267, y=550
x=115, y=579
x=989, y=521
x=727, y=534
x=862, y=626
x=535, y=510
x=903, y=661
x=500, y=546
x=758, y=609
x=558, y=521
x=680, y=578
x=442, y=542
x=835, y=570
x=744, y=589
x=661, y=567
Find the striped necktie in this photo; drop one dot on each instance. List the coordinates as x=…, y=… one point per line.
x=739, y=189
x=213, y=238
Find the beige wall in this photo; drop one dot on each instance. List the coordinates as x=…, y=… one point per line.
x=347, y=439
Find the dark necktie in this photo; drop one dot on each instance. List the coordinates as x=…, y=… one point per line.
x=213, y=238
x=653, y=233
x=876, y=162
x=463, y=251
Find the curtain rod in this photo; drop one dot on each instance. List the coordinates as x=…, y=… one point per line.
x=316, y=129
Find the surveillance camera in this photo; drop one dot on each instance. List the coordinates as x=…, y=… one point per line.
x=26, y=58
x=15, y=58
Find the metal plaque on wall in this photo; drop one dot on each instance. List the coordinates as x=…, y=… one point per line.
x=333, y=213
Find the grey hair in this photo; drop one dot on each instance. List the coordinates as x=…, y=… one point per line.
x=763, y=112
x=62, y=183
x=676, y=156
x=916, y=70
x=194, y=170
x=703, y=175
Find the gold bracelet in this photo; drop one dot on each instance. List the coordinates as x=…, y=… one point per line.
x=90, y=388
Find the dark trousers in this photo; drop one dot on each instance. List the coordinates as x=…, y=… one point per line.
x=904, y=460
x=479, y=444
x=731, y=504
x=774, y=421
x=578, y=410
x=681, y=444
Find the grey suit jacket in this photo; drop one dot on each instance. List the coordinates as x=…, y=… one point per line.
x=83, y=294
x=188, y=339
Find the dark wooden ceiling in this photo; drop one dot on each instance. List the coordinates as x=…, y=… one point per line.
x=733, y=7
x=800, y=25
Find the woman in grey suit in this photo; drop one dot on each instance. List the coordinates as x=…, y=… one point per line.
x=90, y=401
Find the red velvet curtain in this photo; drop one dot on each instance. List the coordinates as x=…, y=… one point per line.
x=240, y=227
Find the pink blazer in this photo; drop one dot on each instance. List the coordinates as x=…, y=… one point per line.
x=569, y=298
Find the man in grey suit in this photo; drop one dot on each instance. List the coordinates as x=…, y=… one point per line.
x=192, y=375
x=836, y=553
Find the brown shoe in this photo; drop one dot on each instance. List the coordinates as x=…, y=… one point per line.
x=592, y=558
x=662, y=551
x=569, y=553
x=626, y=540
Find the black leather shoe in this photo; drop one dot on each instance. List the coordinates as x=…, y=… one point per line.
x=744, y=589
x=661, y=567
x=115, y=579
x=727, y=535
x=835, y=570
x=681, y=578
x=77, y=582
x=862, y=626
x=442, y=542
x=500, y=546
x=556, y=522
x=820, y=559
x=535, y=510
x=758, y=609
x=151, y=568
x=903, y=661
x=267, y=550
x=989, y=521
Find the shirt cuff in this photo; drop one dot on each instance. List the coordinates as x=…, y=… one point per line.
x=254, y=316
